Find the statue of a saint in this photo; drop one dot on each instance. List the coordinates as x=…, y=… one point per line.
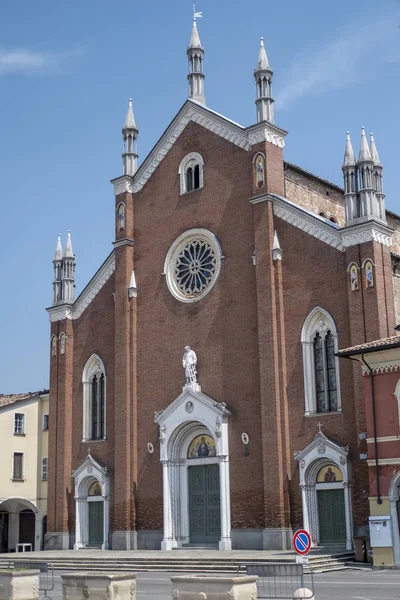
x=189, y=364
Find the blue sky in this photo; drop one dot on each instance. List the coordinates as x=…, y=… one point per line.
x=67, y=70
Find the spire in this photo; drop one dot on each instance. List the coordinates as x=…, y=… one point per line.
x=277, y=251
x=68, y=273
x=57, y=267
x=195, y=38
x=262, y=58
x=364, y=149
x=68, y=247
x=130, y=118
x=195, y=53
x=349, y=158
x=130, y=134
x=58, y=252
x=374, y=152
x=263, y=76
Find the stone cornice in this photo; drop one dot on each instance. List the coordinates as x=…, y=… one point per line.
x=321, y=439
x=371, y=231
x=303, y=219
x=122, y=184
x=124, y=242
x=390, y=366
x=266, y=132
x=74, y=311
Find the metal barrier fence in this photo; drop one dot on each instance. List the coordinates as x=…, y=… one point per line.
x=46, y=575
x=277, y=580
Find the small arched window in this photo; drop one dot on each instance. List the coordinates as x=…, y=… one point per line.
x=321, y=365
x=191, y=173
x=94, y=399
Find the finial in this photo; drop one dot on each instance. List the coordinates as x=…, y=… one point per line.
x=319, y=427
x=88, y=452
x=262, y=41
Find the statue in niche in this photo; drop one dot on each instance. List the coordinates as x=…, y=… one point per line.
x=54, y=345
x=121, y=217
x=189, y=363
x=369, y=275
x=62, y=344
x=260, y=171
x=354, y=278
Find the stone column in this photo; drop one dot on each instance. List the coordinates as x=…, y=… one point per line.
x=167, y=543
x=78, y=527
x=306, y=522
x=349, y=521
x=225, y=542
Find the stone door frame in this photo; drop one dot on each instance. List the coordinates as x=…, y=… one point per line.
x=191, y=414
x=88, y=473
x=320, y=452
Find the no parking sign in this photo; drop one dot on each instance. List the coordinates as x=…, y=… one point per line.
x=302, y=542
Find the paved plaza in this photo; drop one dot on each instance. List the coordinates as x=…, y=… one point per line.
x=338, y=585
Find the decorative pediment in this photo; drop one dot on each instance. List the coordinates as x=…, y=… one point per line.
x=319, y=447
x=194, y=112
x=90, y=468
x=187, y=400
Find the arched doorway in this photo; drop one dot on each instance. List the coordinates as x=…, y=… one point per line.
x=331, y=506
x=3, y=531
x=92, y=505
x=326, y=492
x=20, y=523
x=27, y=527
x=195, y=459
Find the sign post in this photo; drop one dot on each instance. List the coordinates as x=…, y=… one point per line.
x=302, y=545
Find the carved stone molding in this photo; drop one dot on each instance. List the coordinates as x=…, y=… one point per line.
x=385, y=367
x=265, y=135
x=122, y=185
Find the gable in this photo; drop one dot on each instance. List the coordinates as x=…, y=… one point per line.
x=212, y=121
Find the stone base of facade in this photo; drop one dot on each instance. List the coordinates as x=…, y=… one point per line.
x=124, y=540
x=57, y=540
x=148, y=539
x=277, y=538
x=247, y=539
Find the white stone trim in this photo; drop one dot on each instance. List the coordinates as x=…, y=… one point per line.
x=265, y=132
x=89, y=472
x=384, y=461
x=394, y=497
x=74, y=311
x=170, y=261
x=371, y=231
x=388, y=438
x=94, y=366
x=320, y=452
x=191, y=111
x=318, y=321
x=122, y=185
x=178, y=427
x=384, y=367
x=190, y=160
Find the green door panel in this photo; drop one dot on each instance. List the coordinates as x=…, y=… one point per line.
x=204, y=504
x=332, y=516
x=96, y=523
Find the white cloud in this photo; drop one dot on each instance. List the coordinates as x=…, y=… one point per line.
x=343, y=62
x=21, y=60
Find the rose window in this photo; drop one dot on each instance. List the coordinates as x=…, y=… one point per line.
x=193, y=264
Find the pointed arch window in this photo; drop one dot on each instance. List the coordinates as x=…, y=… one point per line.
x=321, y=365
x=94, y=400
x=191, y=172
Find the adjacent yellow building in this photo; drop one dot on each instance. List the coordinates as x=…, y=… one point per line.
x=24, y=421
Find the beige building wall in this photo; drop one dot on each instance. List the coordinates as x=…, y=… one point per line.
x=28, y=492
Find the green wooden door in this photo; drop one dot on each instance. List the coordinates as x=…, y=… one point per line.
x=332, y=517
x=96, y=531
x=204, y=504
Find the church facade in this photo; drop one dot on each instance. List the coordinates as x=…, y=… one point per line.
x=195, y=393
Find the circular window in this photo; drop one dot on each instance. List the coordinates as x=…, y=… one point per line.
x=193, y=264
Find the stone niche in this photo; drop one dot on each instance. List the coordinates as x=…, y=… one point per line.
x=19, y=585
x=99, y=586
x=214, y=588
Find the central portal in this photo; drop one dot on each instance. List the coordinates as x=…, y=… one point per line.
x=204, y=504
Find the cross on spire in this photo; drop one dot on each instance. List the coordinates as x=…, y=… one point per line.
x=320, y=425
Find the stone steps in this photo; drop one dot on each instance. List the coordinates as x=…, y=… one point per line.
x=175, y=563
